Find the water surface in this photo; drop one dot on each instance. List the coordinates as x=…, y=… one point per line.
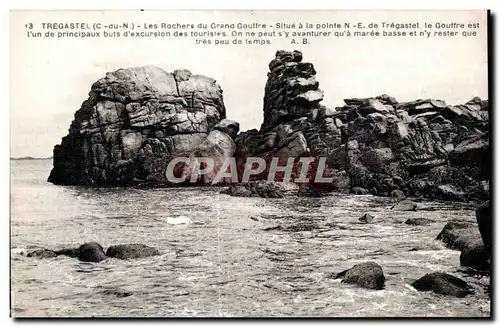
x=224, y=256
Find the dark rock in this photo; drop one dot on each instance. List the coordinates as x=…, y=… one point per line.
x=377, y=159
x=442, y=283
x=263, y=189
x=238, y=190
x=473, y=151
x=131, y=251
x=42, y=253
x=405, y=205
x=359, y=190
x=448, y=193
x=456, y=235
x=74, y=253
x=398, y=194
x=451, y=112
x=367, y=275
x=483, y=217
x=91, y=252
x=117, y=292
x=419, y=221
x=475, y=255
x=304, y=226
x=366, y=218
x=312, y=192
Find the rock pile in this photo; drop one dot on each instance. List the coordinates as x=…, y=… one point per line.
x=94, y=252
x=376, y=145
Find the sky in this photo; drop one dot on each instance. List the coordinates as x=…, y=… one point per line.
x=50, y=77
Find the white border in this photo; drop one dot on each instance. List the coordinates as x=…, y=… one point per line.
x=185, y=4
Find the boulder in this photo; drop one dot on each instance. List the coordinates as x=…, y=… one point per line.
x=91, y=252
x=131, y=251
x=442, y=283
x=367, y=275
x=377, y=159
x=483, y=217
x=448, y=193
x=419, y=221
x=366, y=218
x=456, y=235
x=475, y=255
x=472, y=151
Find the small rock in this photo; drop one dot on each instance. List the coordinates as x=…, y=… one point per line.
x=366, y=218
x=442, y=283
x=263, y=189
x=237, y=190
x=367, y=275
x=398, y=194
x=359, y=190
x=91, y=252
x=42, y=253
x=117, y=292
x=405, y=205
x=73, y=253
x=131, y=251
x=419, y=221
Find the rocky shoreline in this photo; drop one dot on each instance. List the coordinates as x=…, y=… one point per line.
x=137, y=120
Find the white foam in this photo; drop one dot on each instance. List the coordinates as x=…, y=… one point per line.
x=178, y=220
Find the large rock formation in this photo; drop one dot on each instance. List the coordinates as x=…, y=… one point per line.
x=419, y=148
x=135, y=120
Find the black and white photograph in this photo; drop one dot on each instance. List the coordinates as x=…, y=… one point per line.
x=250, y=164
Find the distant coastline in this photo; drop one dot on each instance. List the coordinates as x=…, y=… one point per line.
x=30, y=158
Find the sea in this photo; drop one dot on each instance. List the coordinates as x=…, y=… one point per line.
x=224, y=256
